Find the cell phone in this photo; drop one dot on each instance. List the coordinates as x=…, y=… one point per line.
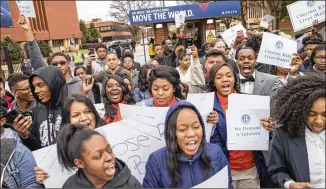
x=12, y=114
x=89, y=80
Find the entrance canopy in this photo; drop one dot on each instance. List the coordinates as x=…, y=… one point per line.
x=193, y=11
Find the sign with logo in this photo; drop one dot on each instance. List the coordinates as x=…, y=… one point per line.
x=26, y=8
x=192, y=11
x=303, y=13
x=230, y=34
x=210, y=35
x=6, y=18
x=264, y=21
x=276, y=50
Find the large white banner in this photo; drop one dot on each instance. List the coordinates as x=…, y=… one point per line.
x=303, y=13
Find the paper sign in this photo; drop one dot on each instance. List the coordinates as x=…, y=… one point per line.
x=230, y=34
x=276, y=50
x=299, y=41
x=303, y=13
x=180, y=18
x=133, y=146
x=100, y=109
x=210, y=35
x=6, y=18
x=219, y=180
x=204, y=102
x=26, y=8
x=264, y=21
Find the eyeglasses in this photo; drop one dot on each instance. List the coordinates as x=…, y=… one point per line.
x=320, y=57
x=62, y=63
x=26, y=89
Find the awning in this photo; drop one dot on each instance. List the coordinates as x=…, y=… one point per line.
x=193, y=11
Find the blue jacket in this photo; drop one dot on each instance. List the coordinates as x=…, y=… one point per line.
x=220, y=138
x=157, y=175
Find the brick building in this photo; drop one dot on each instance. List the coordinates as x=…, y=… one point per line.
x=110, y=30
x=56, y=22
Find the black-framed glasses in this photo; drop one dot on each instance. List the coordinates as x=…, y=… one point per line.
x=62, y=63
x=320, y=57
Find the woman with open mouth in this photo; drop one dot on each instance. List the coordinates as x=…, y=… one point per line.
x=78, y=109
x=116, y=92
x=246, y=166
x=297, y=158
x=187, y=160
x=90, y=152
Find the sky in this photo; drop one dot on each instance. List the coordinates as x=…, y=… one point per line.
x=87, y=10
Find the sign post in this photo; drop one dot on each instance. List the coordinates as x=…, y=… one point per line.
x=142, y=35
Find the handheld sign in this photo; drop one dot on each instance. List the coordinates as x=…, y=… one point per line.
x=299, y=41
x=180, y=18
x=26, y=8
x=219, y=180
x=230, y=34
x=276, y=50
x=264, y=21
x=303, y=13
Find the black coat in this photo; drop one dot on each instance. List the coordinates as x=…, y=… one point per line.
x=122, y=179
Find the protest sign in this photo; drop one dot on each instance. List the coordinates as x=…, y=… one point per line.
x=276, y=50
x=303, y=13
x=219, y=180
x=180, y=18
x=204, y=102
x=210, y=35
x=230, y=34
x=26, y=8
x=238, y=108
x=264, y=21
x=299, y=41
x=100, y=109
x=133, y=146
x=6, y=18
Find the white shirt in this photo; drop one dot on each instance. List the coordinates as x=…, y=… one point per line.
x=247, y=87
x=184, y=78
x=316, y=158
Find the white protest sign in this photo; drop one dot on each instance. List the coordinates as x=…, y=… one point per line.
x=230, y=34
x=204, y=102
x=276, y=50
x=133, y=146
x=100, y=109
x=219, y=180
x=241, y=102
x=180, y=18
x=303, y=13
x=243, y=127
x=264, y=21
x=26, y=8
x=299, y=41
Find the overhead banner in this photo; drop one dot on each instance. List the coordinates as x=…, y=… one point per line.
x=193, y=11
x=6, y=19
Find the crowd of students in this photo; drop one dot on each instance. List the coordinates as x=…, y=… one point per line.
x=55, y=106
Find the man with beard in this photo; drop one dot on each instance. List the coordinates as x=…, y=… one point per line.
x=24, y=99
x=167, y=46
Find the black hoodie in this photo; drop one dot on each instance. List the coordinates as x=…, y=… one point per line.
x=47, y=117
x=122, y=179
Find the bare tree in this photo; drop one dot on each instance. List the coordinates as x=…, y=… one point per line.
x=120, y=11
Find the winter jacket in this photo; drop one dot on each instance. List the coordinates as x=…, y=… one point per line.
x=47, y=117
x=17, y=163
x=122, y=178
x=157, y=175
x=96, y=67
x=220, y=138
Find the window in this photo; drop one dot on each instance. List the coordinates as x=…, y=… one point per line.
x=57, y=43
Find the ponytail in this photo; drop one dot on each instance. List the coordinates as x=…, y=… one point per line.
x=70, y=143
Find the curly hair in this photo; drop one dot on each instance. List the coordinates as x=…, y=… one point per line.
x=312, y=39
x=293, y=102
x=254, y=42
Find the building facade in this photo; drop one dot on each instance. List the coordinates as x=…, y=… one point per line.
x=110, y=30
x=56, y=22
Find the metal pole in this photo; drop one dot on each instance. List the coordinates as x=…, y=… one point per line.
x=8, y=59
x=142, y=34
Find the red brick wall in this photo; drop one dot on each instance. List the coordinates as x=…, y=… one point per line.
x=160, y=33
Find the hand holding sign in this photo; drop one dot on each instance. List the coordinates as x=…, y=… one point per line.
x=296, y=63
x=24, y=23
x=26, y=8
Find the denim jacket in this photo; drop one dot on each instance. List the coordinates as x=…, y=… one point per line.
x=17, y=165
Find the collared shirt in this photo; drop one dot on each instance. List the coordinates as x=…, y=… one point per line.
x=247, y=87
x=316, y=157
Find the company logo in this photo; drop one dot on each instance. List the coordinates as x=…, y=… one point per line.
x=245, y=119
x=310, y=3
x=279, y=45
x=203, y=6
